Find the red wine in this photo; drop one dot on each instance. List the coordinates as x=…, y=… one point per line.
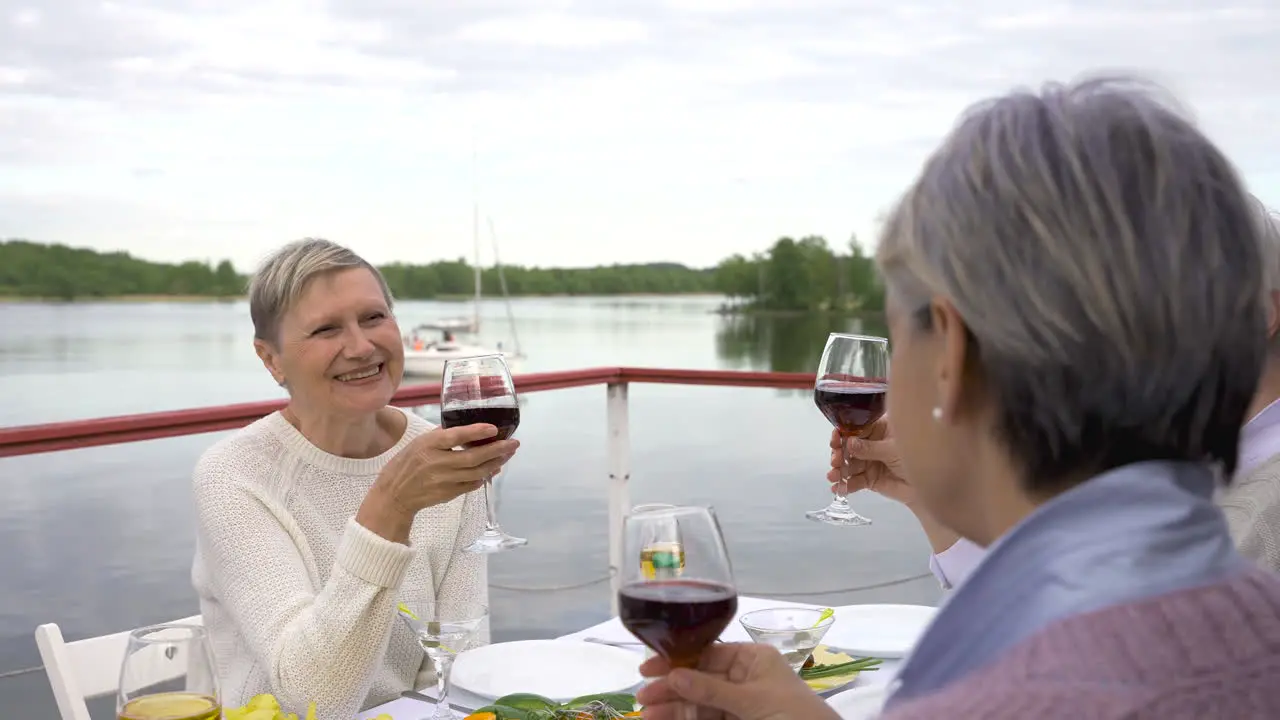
x=850, y=406
x=677, y=618
x=506, y=419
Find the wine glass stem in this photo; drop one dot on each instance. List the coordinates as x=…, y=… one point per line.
x=842, y=487
x=444, y=666
x=491, y=506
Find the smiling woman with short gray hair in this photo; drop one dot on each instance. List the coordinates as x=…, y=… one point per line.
x=315, y=521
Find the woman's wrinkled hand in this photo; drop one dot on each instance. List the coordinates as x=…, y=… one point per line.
x=733, y=680
x=870, y=462
x=429, y=472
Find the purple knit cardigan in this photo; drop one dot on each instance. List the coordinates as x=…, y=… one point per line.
x=1207, y=653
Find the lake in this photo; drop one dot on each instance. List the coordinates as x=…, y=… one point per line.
x=100, y=539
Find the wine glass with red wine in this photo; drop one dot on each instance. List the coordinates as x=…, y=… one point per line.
x=850, y=388
x=681, y=610
x=480, y=390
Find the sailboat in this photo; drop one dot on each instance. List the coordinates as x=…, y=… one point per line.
x=425, y=357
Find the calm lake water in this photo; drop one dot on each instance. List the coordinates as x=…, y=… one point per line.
x=99, y=540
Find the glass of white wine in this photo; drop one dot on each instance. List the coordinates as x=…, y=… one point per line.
x=168, y=674
x=661, y=555
x=443, y=629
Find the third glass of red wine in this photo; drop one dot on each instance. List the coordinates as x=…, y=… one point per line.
x=850, y=388
x=677, y=614
x=480, y=390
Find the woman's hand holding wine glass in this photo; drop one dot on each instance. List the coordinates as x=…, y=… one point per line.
x=850, y=389
x=746, y=681
x=870, y=462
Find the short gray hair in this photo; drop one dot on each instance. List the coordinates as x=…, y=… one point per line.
x=1270, y=244
x=1271, y=260
x=283, y=276
x=1106, y=260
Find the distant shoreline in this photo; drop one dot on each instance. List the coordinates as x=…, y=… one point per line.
x=239, y=298
x=749, y=311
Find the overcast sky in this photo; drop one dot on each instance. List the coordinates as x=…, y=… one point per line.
x=606, y=130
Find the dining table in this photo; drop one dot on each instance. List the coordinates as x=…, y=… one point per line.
x=405, y=708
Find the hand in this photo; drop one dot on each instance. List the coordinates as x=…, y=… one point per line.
x=428, y=471
x=873, y=464
x=733, y=680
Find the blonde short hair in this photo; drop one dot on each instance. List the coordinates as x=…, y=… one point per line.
x=1106, y=260
x=283, y=276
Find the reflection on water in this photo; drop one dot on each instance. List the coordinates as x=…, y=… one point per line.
x=785, y=343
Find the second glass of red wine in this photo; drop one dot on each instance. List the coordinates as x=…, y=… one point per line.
x=677, y=614
x=480, y=390
x=850, y=388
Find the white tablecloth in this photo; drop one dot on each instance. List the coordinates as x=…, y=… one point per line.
x=407, y=709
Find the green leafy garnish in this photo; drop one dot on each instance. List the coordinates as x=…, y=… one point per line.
x=824, y=671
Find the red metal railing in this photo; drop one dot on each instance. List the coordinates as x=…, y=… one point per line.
x=51, y=437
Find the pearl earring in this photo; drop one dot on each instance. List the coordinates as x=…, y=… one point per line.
x=937, y=413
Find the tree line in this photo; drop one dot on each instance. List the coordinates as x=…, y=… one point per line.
x=803, y=274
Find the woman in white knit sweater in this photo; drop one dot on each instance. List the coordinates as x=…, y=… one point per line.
x=315, y=521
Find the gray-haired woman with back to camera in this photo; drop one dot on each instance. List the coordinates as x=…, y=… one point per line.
x=1075, y=298
x=1250, y=502
x=315, y=521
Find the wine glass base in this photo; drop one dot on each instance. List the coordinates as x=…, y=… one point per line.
x=494, y=543
x=852, y=519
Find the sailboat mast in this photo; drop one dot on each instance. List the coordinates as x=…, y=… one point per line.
x=475, y=236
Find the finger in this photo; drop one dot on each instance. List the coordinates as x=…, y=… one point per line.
x=478, y=456
x=835, y=440
x=670, y=710
x=708, y=691
x=656, y=666
x=491, y=469
x=449, y=438
x=885, y=451
x=657, y=692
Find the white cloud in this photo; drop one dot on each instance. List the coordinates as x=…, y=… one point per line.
x=555, y=30
x=607, y=130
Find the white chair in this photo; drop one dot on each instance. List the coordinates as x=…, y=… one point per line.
x=89, y=668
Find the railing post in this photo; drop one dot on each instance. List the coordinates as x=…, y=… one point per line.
x=619, y=451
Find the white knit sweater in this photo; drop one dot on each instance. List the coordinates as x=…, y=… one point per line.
x=298, y=598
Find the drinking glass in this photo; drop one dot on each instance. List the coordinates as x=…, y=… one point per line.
x=480, y=390
x=661, y=554
x=443, y=629
x=168, y=674
x=677, y=612
x=795, y=632
x=852, y=380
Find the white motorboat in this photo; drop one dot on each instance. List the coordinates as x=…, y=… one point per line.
x=425, y=357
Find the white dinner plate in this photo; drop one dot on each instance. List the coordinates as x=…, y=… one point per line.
x=556, y=669
x=862, y=703
x=878, y=631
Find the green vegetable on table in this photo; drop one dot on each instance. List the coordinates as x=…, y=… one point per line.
x=823, y=671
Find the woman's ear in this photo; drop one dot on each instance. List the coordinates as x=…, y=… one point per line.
x=952, y=338
x=270, y=360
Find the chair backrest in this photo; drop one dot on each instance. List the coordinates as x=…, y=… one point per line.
x=90, y=667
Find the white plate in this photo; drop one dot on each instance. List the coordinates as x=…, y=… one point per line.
x=556, y=669
x=878, y=631
x=862, y=703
